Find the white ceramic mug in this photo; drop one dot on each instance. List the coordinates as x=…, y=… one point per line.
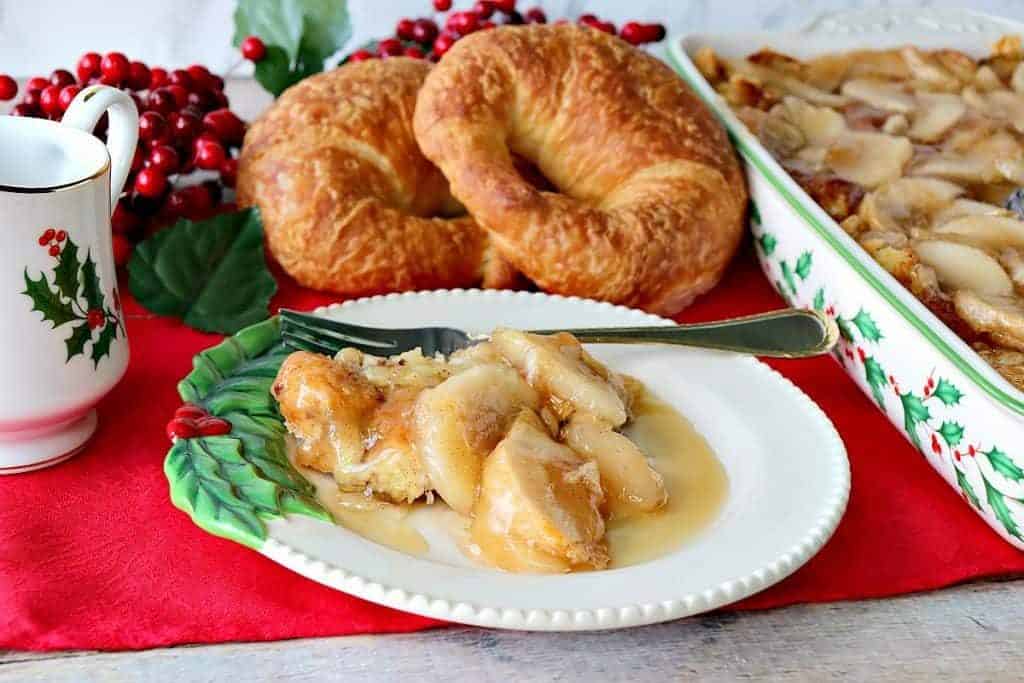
x=63, y=346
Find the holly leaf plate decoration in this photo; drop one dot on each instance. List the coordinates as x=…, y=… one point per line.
x=212, y=274
x=299, y=34
x=74, y=296
x=228, y=467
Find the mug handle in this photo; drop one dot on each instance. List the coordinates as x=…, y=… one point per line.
x=122, y=130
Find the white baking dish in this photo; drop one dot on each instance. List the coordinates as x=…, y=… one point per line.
x=965, y=419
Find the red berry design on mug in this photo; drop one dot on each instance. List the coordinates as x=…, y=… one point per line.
x=54, y=250
x=96, y=319
x=47, y=237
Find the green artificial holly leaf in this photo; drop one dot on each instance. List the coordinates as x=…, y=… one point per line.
x=803, y=265
x=47, y=301
x=787, y=275
x=212, y=274
x=875, y=376
x=819, y=299
x=845, y=328
x=91, y=289
x=755, y=213
x=80, y=334
x=866, y=324
x=914, y=413
x=947, y=393
x=952, y=433
x=1004, y=465
x=66, y=275
x=299, y=34
x=101, y=347
x=966, y=487
x=997, y=501
x=768, y=243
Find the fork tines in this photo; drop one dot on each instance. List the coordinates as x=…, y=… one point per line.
x=322, y=335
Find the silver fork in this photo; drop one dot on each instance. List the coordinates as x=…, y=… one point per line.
x=786, y=333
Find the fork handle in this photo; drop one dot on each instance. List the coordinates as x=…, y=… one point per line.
x=787, y=333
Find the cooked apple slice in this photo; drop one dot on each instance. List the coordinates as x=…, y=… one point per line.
x=985, y=79
x=631, y=485
x=1012, y=261
x=539, y=495
x=458, y=422
x=869, y=159
x=990, y=232
x=960, y=266
x=557, y=366
x=1001, y=317
x=928, y=72
x=906, y=203
x=1017, y=79
x=935, y=114
x=969, y=207
x=885, y=95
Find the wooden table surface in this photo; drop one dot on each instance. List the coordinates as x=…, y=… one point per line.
x=969, y=632
x=973, y=631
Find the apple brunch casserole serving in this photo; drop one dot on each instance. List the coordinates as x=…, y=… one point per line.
x=534, y=449
x=919, y=155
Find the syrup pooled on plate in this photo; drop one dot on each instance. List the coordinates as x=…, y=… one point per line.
x=523, y=453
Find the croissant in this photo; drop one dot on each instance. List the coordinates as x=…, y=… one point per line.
x=651, y=199
x=349, y=204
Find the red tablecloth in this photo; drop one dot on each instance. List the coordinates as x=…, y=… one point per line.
x=93, y=554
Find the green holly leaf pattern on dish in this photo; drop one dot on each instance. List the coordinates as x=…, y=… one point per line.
x=213, y=274
x=952, y=433
x=965, y=486
x=755, y=213
x=230, y=485
x=875, y=376
x=914, y=413
x=787, y=275
x=947, y=393
x=768, y=243
x=66, y=275
x=997, y=501
x=91, y=289
x=866, y=324
x=1004, y=465
x=47, y=301
x=803, y=265
x=819, y=299
x=846, y=330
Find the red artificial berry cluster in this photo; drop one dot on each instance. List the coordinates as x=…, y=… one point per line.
x=185, y=124
x=253, y=49
x=191, y=421
x=422, y=37
x=51, y=239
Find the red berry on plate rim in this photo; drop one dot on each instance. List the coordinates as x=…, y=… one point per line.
x=153, y=127
x=253, y=49
x=49, y=100
x=181, y=428
x=163, y=158
x=161, y=101
x=157, y=78
x=389, y=47
x=442, y=5
x=8, y=88
x=61, y=78
x=139, y=76
x=225, y=125
x=425, y=31
x=190, y=411
x=404, y=28
x=209, y=155
x=213, y=426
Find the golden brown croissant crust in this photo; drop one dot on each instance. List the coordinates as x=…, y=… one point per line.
x=652, y=198
x=349, y=203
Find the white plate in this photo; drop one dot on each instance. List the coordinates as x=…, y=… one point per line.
x=789, y=481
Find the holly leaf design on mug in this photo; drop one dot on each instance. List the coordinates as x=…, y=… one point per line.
x=74, y=295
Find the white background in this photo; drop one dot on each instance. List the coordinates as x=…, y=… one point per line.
x=37, y=36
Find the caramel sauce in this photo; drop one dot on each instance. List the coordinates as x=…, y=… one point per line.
x=696, y=482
